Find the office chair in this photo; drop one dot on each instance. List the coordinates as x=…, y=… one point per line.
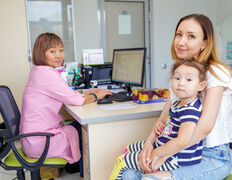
x=17, y=160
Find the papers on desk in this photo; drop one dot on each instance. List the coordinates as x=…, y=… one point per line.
x=116, y=106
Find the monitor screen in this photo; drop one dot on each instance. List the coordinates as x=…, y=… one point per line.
x=102, y=73
x=129, y=66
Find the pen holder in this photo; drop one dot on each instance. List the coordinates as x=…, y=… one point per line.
x=78, y=81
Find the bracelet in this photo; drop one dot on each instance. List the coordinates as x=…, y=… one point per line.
x=95, y=96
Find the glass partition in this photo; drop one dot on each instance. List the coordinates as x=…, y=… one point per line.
x=52, y=16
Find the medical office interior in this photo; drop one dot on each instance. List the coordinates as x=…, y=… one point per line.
x=91, y=29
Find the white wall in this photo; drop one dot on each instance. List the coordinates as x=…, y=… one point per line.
x=224, y=9
x=14, y=66
x=165, y=15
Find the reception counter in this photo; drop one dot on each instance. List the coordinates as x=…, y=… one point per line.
x=107, y=129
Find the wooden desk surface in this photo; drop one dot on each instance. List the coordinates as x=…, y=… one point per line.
x=93, y=113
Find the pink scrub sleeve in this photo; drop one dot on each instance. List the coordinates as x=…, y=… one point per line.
x=59, y=90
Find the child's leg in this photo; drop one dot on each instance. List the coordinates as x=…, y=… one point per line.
x=168, y=165
x=126, y=161
x=138, y=146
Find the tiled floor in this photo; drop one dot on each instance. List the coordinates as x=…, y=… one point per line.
x=11, y=175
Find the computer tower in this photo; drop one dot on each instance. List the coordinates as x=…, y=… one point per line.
x=88, y=74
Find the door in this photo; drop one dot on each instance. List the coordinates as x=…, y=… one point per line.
x=125, y=24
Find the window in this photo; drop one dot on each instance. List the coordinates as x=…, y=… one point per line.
x=54, y=16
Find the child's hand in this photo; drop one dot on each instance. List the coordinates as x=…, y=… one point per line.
x=158, y=128
x=144, y=157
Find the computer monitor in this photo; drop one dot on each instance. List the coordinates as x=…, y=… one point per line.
x=128, y=67
x=102, y=73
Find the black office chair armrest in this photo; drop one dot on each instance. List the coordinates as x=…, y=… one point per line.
x=39, y=162
x=29, y=135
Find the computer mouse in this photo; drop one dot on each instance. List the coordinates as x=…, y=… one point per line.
x=104, y=101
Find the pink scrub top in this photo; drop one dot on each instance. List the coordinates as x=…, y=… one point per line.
x=43, y=97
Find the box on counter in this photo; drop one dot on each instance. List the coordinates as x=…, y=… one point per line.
x=142, y=96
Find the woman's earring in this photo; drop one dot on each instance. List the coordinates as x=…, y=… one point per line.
x=202, y=49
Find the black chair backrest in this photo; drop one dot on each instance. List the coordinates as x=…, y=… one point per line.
x=9, y=111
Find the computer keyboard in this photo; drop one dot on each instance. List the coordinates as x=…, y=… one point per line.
x=119, y=97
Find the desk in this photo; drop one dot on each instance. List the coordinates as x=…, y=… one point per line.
x=106, y=133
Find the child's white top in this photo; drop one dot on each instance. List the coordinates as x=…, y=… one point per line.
x=222, y=131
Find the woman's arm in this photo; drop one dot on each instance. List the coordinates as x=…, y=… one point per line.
x=100, y=93
x=177, y=144
x=211, y=106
